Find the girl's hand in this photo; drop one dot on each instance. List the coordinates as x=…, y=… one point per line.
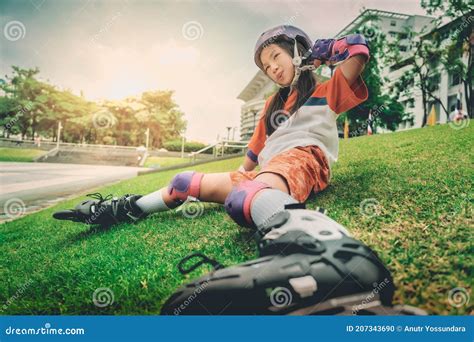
x=317, y=63
x=334, y=51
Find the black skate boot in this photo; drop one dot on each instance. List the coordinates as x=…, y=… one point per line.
x=104, y=211
x=308, y=265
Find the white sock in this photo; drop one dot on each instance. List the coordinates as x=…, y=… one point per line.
x=152, y=203
x=267, y=203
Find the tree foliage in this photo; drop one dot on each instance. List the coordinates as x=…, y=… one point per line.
x=30, y=107
x=386, y=111
x=460, y=43
x=441, y=46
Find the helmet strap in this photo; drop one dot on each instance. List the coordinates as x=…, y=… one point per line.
x=297, y=61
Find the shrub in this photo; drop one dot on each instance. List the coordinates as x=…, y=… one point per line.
x=189, y=146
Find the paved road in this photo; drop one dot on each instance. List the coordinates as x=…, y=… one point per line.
x=39, y=185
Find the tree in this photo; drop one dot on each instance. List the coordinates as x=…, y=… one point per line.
x=162, y=115
x=116, y=122
x=30, y=106
x=75, y=114
x=22, y=91
x=461, y=42
x=8, y=116
x=423, y=73
x=386, y=112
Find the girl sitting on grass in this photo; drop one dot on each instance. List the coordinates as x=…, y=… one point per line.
x=295, y=142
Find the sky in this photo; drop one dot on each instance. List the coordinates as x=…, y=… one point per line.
x=202, y=49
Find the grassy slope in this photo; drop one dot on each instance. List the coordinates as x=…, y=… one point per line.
x=165, y=161
x=19, y=154
x=422, y=180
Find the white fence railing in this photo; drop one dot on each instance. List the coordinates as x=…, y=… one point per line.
x=219, y=148
x=64, y=144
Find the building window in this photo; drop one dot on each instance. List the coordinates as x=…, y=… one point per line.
x=410, y=103
x=455, y=79
x=403, y=48
x=392, y=34
x=452, y=102
x=403, y=35
x=393, y=23
x=433, y=82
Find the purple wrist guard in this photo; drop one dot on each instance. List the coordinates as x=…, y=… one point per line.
x=335, y=51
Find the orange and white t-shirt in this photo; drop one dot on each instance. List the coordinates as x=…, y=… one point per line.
x=314, y=123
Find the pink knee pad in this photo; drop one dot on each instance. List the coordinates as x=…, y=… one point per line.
x=185, y=184
x=237, y=203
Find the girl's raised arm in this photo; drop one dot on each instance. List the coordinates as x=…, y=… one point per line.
x=351, y=52
x=353, y=67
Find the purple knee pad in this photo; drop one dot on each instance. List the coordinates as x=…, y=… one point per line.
x=237, y=204
x=185, y=184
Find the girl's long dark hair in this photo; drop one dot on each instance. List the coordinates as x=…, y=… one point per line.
x=304, y=88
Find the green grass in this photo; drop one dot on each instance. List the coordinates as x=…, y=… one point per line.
x=159, y=162
x=421, y=179
x=19, y=154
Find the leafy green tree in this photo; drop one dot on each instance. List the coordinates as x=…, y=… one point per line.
x=423, y=74
x=23, y=90
x=9, y=116
x=461, y=41
x=385, y=109
x=75, y=114
x=162, y=115
x=29, y=106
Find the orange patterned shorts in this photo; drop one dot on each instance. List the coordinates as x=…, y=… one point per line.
x=305, y=169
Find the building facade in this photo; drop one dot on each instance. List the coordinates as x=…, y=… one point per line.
x=254, y=95
x=394, y=26
x=449, y=84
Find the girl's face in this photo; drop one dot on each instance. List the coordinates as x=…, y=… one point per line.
x=277, y=64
